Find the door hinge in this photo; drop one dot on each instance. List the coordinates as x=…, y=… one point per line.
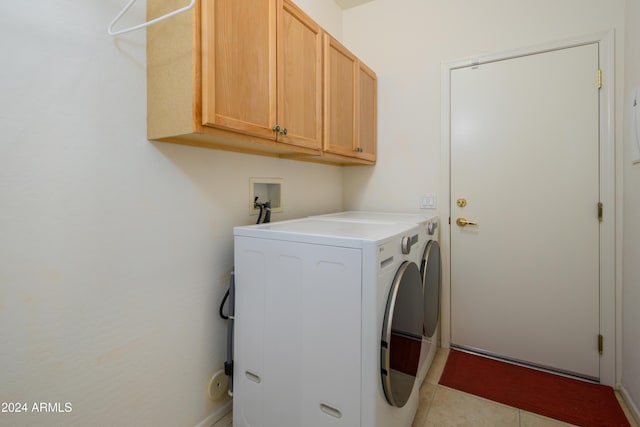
x=600, y=211
x=600, y=343
x=599, y=79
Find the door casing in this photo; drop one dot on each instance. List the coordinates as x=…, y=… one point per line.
x=610, y=283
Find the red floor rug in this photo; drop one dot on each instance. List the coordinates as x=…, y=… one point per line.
x=572, y=401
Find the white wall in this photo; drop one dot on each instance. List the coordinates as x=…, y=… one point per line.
x=114, y=251
x=406, y=43
x=326, y=13
x=631, y=212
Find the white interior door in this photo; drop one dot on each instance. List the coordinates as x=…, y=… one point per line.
x=524, y=157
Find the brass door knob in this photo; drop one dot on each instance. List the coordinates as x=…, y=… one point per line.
x=463, y=222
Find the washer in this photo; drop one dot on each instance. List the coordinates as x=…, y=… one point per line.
x=430, y=270
x=329, y=323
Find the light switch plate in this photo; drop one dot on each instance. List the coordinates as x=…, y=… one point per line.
x=428, y=201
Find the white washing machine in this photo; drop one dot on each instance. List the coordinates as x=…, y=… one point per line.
x=430, y=270
x=329, y=322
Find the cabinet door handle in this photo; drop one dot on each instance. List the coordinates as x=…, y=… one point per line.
x=284, y=131
x=276, y=128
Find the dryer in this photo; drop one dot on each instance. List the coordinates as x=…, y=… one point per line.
x=430, y=270
x=328, y=323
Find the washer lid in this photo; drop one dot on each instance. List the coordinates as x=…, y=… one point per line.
x=432, y=282
x=376, y=217
x=324, y=232
x=402, y=335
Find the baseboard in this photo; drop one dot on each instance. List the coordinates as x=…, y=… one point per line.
x=630, y=404
x=216, y=416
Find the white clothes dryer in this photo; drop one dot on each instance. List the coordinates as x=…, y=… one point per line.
x=328, y=323
x=430, y=270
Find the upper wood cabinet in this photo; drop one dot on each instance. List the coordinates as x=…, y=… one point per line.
x=299, y=70
x=262, y=70
x=248, y=75
x=367, y=96
x=350, y=104
x=340, y=71
x=239, y=65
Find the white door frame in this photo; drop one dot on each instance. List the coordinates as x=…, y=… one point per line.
x=610, y=285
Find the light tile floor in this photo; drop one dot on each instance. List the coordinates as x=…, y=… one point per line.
x=442, y=406
x=227, y=421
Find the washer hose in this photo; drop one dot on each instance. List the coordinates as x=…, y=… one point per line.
x=228, y=364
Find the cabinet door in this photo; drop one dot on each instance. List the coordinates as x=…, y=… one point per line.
x=239, y=65
x=340, y=71
x=299, y=63
x=367, y=113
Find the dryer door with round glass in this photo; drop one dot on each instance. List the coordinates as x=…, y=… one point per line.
x=432, y=283
x=402, y=334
